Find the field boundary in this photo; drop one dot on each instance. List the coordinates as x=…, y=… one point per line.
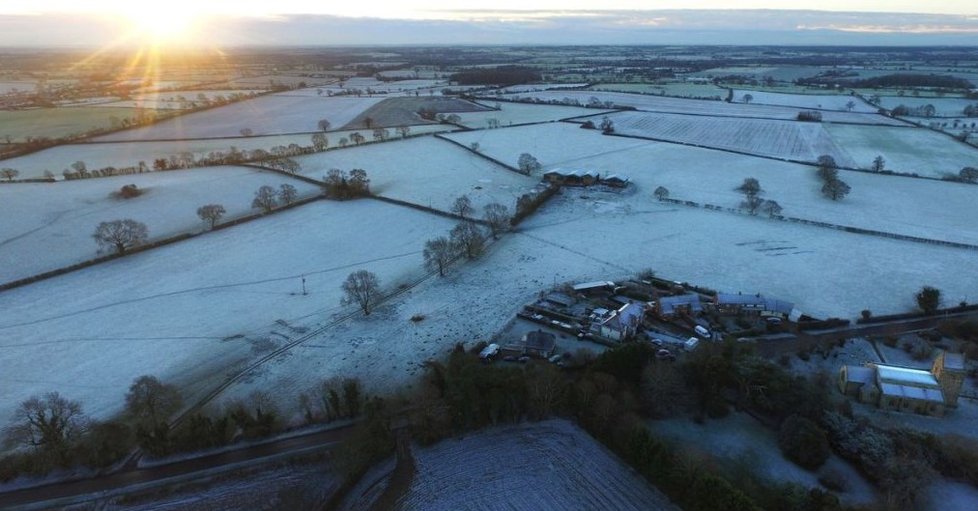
x=775, y=158
x=484, y=156
x=827, y=225
x=149, y=246
x=426, y=209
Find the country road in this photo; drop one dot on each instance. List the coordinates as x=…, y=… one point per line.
x=61, y=494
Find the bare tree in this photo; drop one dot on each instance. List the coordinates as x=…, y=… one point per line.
x=362, y=288
x=211, y=213
x=150, y=401
x=265, y=199
x=850, y=105
x=287, y=193
x=357, y=138
x=438, y=253
x=969, y=174
x=607, y=125
x=359, y=183
x=748, y=98
x=9, y=174
x=878, y=163
x=474, y=146
x=528, y=164
x=771, y=207
x=403, y=131
x=246, y=132
x=751, y=187
x=323, y=124
x=49, y=422
x=497, y=216
x=835, y=189
x=661, y=193
x=752, y=203
x=320, y=142
x=120, y=234
x=468, y=239
x=462, y=206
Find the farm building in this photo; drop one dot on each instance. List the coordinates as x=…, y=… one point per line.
x=620, y=324
x=616, y=181
x=905, y=389
x=668, y=307
x=587, y=287
x=572, y=177
x=538, y=344
x=735, y=304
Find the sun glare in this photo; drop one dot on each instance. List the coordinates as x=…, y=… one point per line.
x=162, y=25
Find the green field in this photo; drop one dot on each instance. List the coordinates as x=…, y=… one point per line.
x=57, y=122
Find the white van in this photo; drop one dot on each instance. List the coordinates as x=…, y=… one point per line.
x=702, y=331
x=691, y=344
x=489, y=353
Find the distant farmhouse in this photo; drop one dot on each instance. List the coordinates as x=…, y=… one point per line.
x=905, y=389
x=581, y=177
x=537, y=344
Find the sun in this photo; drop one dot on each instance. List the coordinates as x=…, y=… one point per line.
x=162, y=25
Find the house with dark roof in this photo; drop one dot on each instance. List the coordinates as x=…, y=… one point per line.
x=668, y=307
x=736, y=304
x=537, y=343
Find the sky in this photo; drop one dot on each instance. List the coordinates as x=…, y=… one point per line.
x=301, y=22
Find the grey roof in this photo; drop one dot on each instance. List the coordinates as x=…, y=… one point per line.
x=768, y=304
x=668, y=304
x=540, y=340
x=954, y=361
x=593, y=285
x=860, y=374
x=911, y=392
x=906, y=376
x=560, y=299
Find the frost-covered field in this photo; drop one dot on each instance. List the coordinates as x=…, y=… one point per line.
x=172, y=99
x=48, y=226
x=916, y=150
x=425, y=171
x=924, y=208
x=793, y=140
x=702, y=107
x=823, y=102
x=678, y=89
x=534, y=87
x=520, y=113
x=129, y=154
x=535, y=466
x=945, y=107
x=362, y=84
x=57, y=122
x=191, y=311
x=267, y=115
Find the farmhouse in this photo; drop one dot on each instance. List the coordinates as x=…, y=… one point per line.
x=620, y=324
x=616, y=181
x=538, y=344
x=905, y=389
x=736, y=304
x=668, y=307
x=572, y=177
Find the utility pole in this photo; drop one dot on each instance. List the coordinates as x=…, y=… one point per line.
x=304, y=285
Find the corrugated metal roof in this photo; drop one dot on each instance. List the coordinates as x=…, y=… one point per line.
x=906, y=376
x=668, y=304
x=911, y=392
x=954, y=361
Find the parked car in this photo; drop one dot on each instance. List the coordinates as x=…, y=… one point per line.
x=664, y=355
x=489, y=353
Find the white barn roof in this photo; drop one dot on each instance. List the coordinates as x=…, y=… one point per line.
x=906, y=376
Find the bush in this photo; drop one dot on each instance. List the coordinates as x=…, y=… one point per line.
x=803, y=442
x=129, y=191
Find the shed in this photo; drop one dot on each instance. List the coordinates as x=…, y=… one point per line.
x=615, y=180
x=672, y=306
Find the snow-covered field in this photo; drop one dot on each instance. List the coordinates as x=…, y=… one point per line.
x=189, y=312
x=425, y=171
x=917, y=150
x=534, y=87
x=172, y=99
x=923, y=208
x=793, y=140
x=817, y=101
x=266, y=115
x=740, y=440
x=945, y=107
x=534, y=466
x=702, y=107
x=362, y=84
x=49, y=226
x=129, y=154
x=520, y=113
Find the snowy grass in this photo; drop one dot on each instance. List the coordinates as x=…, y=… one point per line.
x=702, y=107
x=190, y=312
x=57, y=122
x=49, y=226
x=266, y=115
x=537, y=466
x=521, y=113
x=823, y=101
x=129, y=154
x=917, y=150
x=923, y=208
x=802, y=141
x=425, y=171
x=678, y=89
